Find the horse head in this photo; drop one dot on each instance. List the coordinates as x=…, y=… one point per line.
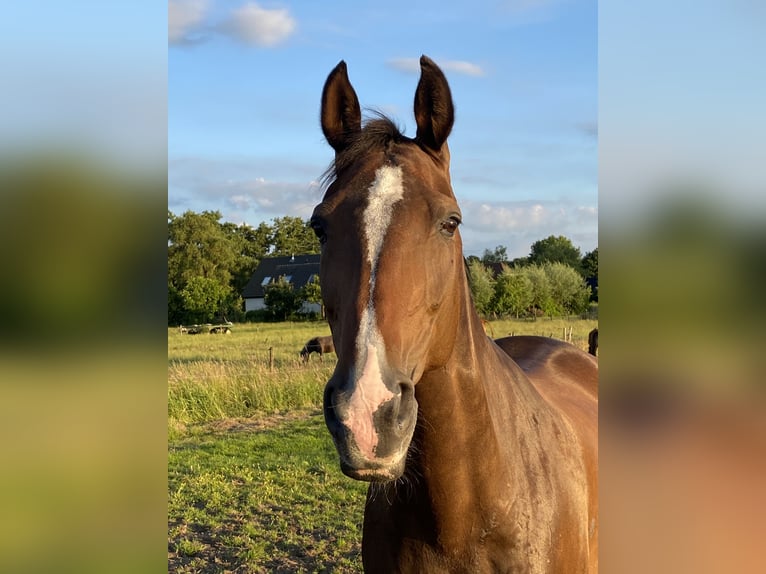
x=392, y=270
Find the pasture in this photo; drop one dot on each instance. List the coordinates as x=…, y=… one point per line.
x=253, y=478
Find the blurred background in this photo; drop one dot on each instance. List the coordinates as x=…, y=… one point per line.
x=683, y=245
x=83, y=172
x=83, y=176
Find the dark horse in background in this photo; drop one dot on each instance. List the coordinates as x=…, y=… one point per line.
x=319, y=345
x=482, y=456
x=593, y=342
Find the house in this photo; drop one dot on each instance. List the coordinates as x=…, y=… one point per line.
x=297, y=269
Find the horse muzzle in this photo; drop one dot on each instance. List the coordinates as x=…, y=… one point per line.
x=371, y=427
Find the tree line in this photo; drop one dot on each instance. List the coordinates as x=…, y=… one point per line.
x=210, y=262
x=554, y=279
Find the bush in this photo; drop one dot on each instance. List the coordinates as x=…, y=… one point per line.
x=282, y=300
x=513, y=293
x=259, y=316
x=482, y=286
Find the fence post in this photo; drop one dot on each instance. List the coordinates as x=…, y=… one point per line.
x=271, y=358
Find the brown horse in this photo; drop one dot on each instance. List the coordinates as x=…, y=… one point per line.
x=319, y=345
x=593, y=342
x=482, y=457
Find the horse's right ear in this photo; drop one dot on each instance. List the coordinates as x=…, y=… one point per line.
x=341, y=114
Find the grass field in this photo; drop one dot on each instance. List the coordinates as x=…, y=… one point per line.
x=253, y=478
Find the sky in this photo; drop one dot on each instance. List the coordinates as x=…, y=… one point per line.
x=681, y=105
x=244, y=87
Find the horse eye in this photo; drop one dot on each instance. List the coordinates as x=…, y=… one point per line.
x=318, y=227
x=449, y=226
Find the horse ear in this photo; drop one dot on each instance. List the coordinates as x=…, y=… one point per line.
x=434, y=112
x=341, y=115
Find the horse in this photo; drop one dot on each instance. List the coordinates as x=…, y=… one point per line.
x=593, y=342
x=319, y=345
x=481, y=455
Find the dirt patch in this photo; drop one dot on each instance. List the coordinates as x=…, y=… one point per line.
x=258, y=422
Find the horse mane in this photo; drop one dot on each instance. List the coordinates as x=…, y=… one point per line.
x=378, y=132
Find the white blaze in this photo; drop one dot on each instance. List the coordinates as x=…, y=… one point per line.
x=384, y=192
x=370, y=392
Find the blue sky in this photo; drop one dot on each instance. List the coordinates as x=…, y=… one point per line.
x=682, y=89
x=245, y=79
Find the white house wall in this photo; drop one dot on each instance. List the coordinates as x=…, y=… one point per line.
x=311, y=307
x=254, y=304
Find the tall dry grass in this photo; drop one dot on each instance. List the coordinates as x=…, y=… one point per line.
x=555, y=328
x=254, y=369
x=219, y=376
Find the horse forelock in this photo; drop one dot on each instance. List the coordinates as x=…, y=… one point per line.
x=379, y=133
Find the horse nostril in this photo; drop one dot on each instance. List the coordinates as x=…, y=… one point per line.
x=330, y=416
x=406, y=396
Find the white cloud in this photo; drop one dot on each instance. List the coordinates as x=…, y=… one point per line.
x=238, y=191
x=461, y=67
x=183, y=17
x=260, y=26
x=503, y=217
x=260, y=198
x=457, y=66
x=405, y=64
x=517, y=225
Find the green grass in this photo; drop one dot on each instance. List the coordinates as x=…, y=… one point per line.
x=262, y=496
x=254, y=484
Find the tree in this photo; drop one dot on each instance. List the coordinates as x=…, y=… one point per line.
x=556, y=249
x=177, y=314
x=250, y=244
x=311, y=292
x=199, y=245
x=471, y=259
x=481, y=283
x=590, y=272
x=204, y=297
x=292, y=236
x=541, y=290
x=513, y=293
x=518, y=262
x=200, y=248
x=569, y=293
x=499, y=255
x=281, y=299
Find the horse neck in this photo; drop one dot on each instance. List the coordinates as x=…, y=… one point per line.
x=478, y=376
x=463, y=427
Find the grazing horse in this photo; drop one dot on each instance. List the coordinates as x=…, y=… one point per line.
x=482, y=457
x=320, y=345
x=593, y=342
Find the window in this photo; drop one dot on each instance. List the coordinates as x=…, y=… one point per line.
x=266, y=280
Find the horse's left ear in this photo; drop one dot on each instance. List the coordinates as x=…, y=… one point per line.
x=434, y=112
